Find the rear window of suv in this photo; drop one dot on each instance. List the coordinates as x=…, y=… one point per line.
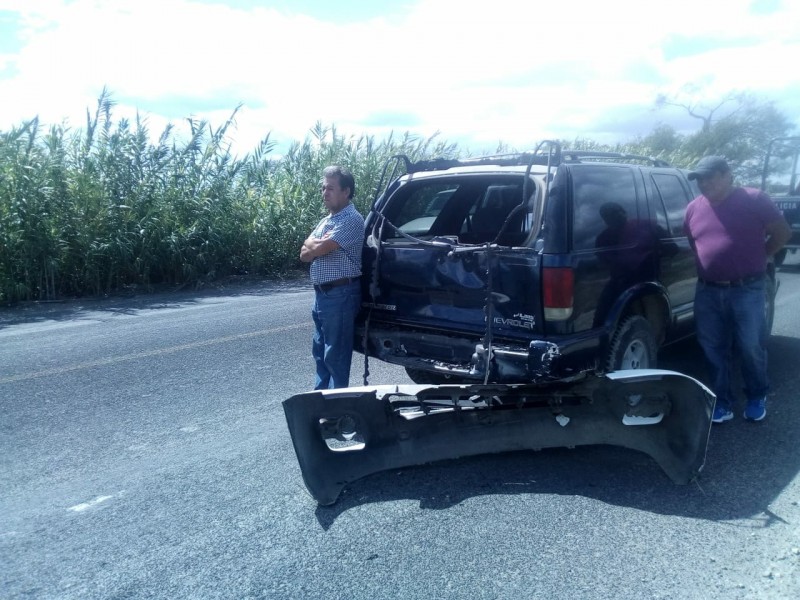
x=420, y=209
x=471, y=209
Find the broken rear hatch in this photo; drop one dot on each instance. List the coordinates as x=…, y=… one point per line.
x=435, y=267
x=342, y=435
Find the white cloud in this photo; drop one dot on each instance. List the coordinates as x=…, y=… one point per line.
x=512, y=71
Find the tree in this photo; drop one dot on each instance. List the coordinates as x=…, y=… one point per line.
x=687, y=100
x=738, y=127
x=662, y=140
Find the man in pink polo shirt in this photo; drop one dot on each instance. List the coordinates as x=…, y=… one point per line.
x=733, y=232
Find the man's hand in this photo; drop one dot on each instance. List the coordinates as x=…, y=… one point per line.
x=778, y=233
x=314, y=247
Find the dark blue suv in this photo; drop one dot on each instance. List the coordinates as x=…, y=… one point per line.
x=526, y=267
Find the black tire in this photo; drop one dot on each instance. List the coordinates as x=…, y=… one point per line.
x=429, y=377
x=633, y=346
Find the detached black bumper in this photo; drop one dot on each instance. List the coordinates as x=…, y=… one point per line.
x=345, y=434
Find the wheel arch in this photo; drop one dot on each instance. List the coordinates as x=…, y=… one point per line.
x=648, y=300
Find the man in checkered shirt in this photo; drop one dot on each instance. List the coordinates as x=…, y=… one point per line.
x=334, y=251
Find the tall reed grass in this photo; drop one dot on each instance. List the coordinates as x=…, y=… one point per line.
x=93, y=211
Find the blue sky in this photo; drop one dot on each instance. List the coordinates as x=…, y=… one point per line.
x=512, y=71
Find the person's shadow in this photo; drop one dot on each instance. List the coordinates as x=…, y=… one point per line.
x=626, y=251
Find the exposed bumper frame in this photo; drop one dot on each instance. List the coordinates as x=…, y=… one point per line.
x=463, y=356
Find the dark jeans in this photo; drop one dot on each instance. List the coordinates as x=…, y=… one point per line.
x=733, y=319
x=334, y=315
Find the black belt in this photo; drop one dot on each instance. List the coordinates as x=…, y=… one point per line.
x=327, y=287
x=733, y=282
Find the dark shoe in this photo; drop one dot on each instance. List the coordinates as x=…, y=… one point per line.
x=755, y=409
x=721, y=414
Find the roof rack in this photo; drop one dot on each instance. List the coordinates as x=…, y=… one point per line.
x=555, y=157
x=500, y=160
x=393, y=168
x=578, y=155
x=548, y=153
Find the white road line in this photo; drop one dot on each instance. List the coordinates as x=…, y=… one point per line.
x=89, y=504
x=126, y=357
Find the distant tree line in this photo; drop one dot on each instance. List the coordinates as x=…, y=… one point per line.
x=104, y=209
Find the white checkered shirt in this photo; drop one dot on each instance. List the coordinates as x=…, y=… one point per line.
x=346, y=228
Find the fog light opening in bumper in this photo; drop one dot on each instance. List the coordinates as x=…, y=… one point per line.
x=341, y=434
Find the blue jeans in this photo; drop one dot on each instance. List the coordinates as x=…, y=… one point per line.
x=733, y=319
x=334, y=315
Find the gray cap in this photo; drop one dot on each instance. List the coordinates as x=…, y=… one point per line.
x=709, y=165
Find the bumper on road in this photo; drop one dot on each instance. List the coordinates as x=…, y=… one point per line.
x=342, y=435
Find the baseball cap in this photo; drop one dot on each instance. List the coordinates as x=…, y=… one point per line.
x=709, y=165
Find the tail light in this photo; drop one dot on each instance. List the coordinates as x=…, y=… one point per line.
x=559, y=287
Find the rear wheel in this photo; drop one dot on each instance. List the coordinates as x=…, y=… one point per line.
x=633, y=346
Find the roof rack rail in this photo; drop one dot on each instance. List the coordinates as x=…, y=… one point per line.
x=548, y=153
x=500, y=160
x=577, y=155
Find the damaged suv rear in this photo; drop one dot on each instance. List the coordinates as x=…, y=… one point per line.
x=527, y=267
x=527, y=297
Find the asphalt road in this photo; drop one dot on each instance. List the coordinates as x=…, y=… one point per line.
x=145, y=454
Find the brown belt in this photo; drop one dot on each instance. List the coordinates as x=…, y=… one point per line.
x=328, y=286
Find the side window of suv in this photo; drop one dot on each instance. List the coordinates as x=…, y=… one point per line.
x=674, y=198
x=604, y=199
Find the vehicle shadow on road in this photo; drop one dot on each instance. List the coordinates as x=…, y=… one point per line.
x=747, y=467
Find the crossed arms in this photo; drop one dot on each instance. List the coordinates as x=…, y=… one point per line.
x=314, y=247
